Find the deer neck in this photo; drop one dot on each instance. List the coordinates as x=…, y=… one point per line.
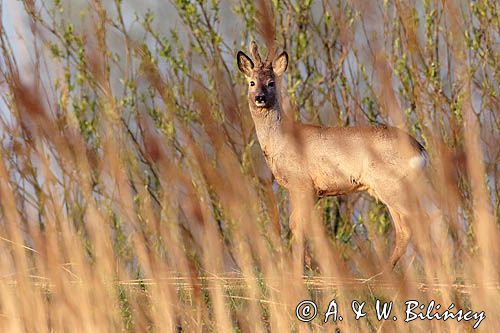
x=268, y=125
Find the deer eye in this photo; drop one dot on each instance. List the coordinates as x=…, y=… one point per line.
x=270, y=84
x=252, y=83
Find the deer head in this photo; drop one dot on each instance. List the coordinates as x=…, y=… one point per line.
x=261, y=76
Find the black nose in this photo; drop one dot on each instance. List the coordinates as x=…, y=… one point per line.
x=260, y=99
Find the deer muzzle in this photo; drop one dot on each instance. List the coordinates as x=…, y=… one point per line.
x=260, y=100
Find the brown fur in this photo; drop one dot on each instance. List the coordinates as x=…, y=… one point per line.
x=317, y=161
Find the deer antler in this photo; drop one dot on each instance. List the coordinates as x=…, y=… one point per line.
x=271, y=53
x=254, y=51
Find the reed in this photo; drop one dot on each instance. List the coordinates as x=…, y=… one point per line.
x=134, y=195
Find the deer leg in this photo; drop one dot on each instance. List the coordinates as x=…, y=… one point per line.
x=401, y=240
x=302, y=203
x=402, y=237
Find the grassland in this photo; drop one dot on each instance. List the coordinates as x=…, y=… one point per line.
x=134, y=195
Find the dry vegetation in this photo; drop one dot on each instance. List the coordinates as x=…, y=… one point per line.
x=134, y=196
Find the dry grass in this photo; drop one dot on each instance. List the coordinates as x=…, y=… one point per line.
x=134, y=196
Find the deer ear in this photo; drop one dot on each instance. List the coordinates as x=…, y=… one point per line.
x=245, y=64
x=280, y=64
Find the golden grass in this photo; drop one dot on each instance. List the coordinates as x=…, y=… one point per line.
x=133, y=193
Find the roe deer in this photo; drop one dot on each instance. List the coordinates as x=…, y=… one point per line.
x=313, y=161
